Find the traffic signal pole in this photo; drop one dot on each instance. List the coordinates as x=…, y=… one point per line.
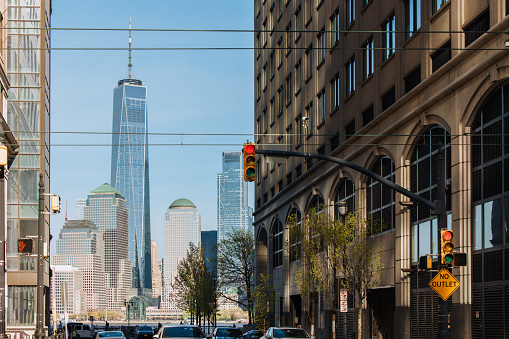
x=438, y=207
x=39, y=329
x=440, y=212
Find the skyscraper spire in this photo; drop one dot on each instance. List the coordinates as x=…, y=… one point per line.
x=130, y=65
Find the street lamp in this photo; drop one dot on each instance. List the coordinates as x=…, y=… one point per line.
x=342, y=208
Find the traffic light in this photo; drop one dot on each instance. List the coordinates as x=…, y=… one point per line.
x=25, y=245
x=425, y=262
x=249, y=152
x=446, y=240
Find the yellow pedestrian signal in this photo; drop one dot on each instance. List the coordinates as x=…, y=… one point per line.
x=249, y=152
x=425, y=262
x=446, y=240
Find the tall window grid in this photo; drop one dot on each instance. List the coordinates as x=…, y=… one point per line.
x=335, y=91
x=369, y=63
x=289, y=93
x=437, y=4
x=380, y=199
x=298, y=23
x=335, y=27
x=350, y=11
x=309, y=62
x=309, y=10
x=389, y=37
x=321, y=45
x=350, y=76
x=321, y=106
x=298, y=76
x=311, y=118
x=413, y=16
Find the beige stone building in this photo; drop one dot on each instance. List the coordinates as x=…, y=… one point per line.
x=382, y=84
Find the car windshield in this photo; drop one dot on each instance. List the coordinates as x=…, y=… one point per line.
x=182, y=332
x=111, y=334
x=145, y=328
x=290, y=333
x=228, y=332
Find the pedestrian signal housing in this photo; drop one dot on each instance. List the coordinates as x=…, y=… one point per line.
x=425, y=262
x=249, y=153
x=26, y=245
x=446, y=240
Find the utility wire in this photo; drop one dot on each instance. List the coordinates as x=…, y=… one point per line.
x=251, y=134
x=180, y=30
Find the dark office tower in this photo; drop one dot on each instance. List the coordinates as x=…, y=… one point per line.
x=129, y=170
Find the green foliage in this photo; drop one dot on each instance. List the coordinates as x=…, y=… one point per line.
x=264, y=300
x=330, y=249
x=235, y=262
x=194, y=287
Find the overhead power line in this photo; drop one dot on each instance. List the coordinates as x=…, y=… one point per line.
x=186, y=30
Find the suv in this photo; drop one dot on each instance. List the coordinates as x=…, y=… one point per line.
x=82, y=330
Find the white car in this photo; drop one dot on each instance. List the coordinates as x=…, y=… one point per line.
x=179, y=331
x=285, y=332
x=110, y=335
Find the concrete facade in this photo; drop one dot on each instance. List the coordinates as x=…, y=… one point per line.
x=383, y=115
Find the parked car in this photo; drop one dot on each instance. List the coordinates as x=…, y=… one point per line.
x=285, y=332
x=253, y=334
x=82, y=330
x=110, y=335
x=226, y=333
x=179, y=331
x=145, y=332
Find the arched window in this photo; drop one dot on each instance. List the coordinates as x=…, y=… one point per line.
x=346, y=192
x=490, y=172
x=295, y=240
x=423, y=181
x=277, y=244
x=380, y=198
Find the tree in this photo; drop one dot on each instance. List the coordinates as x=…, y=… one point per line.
x=331, y=249
x=235, y=265
x=193, y=287
x=264, y=299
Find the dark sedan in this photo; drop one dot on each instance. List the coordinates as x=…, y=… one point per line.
x=145, y=332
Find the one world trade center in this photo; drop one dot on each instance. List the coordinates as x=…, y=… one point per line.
x=130, y=171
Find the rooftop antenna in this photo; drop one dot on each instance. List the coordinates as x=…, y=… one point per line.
x=130, y=65
x=66, y=210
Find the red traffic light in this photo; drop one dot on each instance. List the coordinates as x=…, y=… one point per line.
x=447, y=248
x=249, y=149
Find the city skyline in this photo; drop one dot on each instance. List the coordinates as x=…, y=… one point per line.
x=225, y=102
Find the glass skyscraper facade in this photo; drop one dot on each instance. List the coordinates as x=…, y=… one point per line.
x=232, y=199
x=28, y=105
x=130, y=172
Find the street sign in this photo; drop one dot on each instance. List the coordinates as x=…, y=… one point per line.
x=444, y=283
x=343, y=300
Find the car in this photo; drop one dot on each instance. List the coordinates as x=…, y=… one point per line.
x=82, y=330
x=110, y=335
x=285, y=332
x=179, y=331
x=253, y=334
x=145, y=332
x=226, y=333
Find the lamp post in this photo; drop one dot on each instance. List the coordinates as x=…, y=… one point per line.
x=55, y=208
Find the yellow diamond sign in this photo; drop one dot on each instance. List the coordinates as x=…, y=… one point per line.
x=444, y=283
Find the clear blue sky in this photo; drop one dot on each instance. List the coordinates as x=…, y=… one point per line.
x=188, y=92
